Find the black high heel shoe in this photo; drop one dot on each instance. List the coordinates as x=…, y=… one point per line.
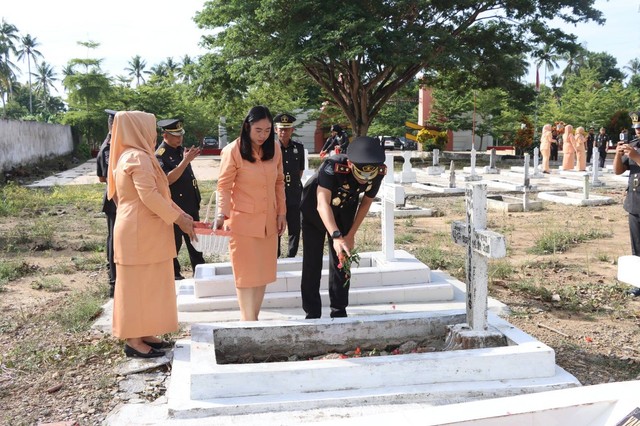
x=132, y=353
x=163, y=344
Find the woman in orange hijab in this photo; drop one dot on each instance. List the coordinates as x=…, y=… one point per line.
x=568, y=148
x=581, y=152
x=144, y=303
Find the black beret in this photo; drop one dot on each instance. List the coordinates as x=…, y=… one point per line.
x=364, y=150
x=284, y=120
x=171, y=125
x=336, y=128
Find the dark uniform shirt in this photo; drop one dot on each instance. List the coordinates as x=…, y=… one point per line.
x=632, y=200
x=292, y=165
x=340, y=140
x=335, y=175
x=184, y=191
x=602, y=142
x=102, y=169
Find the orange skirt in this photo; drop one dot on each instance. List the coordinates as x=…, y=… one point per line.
x=144, y=303
x=254, y=260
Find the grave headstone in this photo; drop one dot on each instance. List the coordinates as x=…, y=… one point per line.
x=407, y=175
x=392, y=195
x=491, y=168
x=585, y=187
x=222, y=132
x=435, y=169
x=536, y=164
x=595, y=169
x=526, y=187
x=306, y=174
x=452, y=175
x=481, y=245
x=473, y=176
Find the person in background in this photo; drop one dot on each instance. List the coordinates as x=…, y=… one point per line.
x=627, y=157
x=338, y=138
x=591, y=140
x=144, y=304
x=554, y=145
x=293, y=167
x=545, y=147
x=108, y=206
x=175, y=160
x=580, y=141
x=331, y=207
x=568, y=148
x=602, y=142
x=252, y=206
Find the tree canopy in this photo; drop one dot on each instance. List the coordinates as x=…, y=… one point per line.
x=362, y=52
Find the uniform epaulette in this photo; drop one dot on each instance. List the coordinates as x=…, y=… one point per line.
x=160, y=151
x=383, y=170
x=342, y=169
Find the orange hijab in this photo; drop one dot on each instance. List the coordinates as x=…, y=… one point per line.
x=132, y=130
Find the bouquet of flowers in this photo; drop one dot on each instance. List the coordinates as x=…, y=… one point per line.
x=345, y=263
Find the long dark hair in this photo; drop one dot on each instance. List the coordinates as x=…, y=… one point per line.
x=257, y=113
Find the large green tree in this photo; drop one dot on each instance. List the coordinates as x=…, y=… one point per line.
x=362, y=52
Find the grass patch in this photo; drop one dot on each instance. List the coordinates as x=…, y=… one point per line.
x=20, y=201
x=50, y=284
x=10, y=271
x=405, y=239
x=533, y=288
x=436, y=258
x=92, y=262
x=500, y=270
x=80, y=311
x=558, y=241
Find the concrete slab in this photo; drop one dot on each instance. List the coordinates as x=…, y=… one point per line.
x=574, y=198
x=433, y=187
x=507, y=203
x=200, y=386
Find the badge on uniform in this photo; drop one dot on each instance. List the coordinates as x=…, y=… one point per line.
x=160, y=151
x=336, y=201
x=328, y=169
x=343, y=169
x=295, y=150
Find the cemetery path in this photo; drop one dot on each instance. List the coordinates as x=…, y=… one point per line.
x=569, y=300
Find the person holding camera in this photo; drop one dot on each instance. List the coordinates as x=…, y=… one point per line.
x=627, y=157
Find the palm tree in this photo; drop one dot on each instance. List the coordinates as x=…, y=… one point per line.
x=28, y=50
x=547, y=57
x=136, y=68
x=633, y=66
x=188, y=69
x=8, y=37
x=159, y=70
x=45, y=77
x=575, y=60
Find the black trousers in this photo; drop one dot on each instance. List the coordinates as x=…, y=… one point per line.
x=634, y=230
x=195, y=256
x=589, y=153
x=293, y=230
x=603, y=156
x=554, y=152
x=111, y=220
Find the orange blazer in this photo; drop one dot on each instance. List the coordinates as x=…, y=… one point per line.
x=250, y=194
x=143, y=231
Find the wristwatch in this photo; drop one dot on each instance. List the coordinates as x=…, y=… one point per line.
x=336, y=234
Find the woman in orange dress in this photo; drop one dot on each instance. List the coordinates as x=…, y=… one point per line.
x=568, y=148
x=144, y=303
x=252, y=206
x=545, y=147
x=580, y=145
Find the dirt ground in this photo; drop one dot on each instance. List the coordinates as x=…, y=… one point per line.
x=569, y=300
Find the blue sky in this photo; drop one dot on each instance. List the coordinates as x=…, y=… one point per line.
x=157, y=29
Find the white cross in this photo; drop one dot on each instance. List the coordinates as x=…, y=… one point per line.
x=481, y=245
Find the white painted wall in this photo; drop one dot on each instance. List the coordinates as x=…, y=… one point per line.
x=29, y=141
x=305, y=129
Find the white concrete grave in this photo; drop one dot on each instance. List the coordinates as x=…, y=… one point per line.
x=442, y=188
x=629, y=270
x=306, y=174
x=392, y=194
x=381, y=277
x=473, y=176
x=491, y=168
x=577, y=199
x=407, y=175
x=595, y=169
x=435, y=169
x=209, y=377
